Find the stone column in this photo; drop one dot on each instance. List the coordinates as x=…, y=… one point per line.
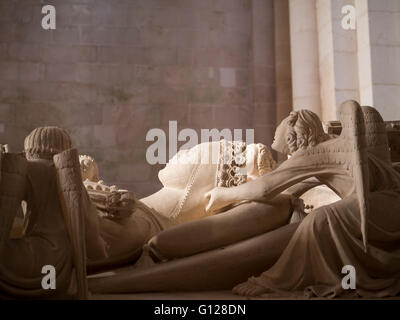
x=378, y=37
x=304, y=55
x=337, y=57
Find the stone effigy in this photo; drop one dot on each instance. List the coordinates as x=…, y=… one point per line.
x=88, y=223
x=208, y=215
x=241, y=230
x=361, y=230
x=127, y=224
x=193, y=172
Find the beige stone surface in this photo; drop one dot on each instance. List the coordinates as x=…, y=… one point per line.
x=378, y=38
x=304, y=55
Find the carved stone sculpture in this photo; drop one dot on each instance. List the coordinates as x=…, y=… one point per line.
x=127, y=224
x=54, y=234
x=238, y=229
x=362, y=229
x=107, y=226
x=192, y=173
x=89, y=168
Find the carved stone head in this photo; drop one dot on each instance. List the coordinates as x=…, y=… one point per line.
x=45, y=142
x=301, y=129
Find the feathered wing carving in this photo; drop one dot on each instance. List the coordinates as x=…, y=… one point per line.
x=375, y=134
x=354, y=139
x=70, y=189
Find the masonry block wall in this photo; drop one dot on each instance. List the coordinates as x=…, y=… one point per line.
x=112, y=70
x=379, y=61
x=331, y=64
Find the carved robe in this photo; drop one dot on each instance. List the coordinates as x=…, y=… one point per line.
x=45, y=242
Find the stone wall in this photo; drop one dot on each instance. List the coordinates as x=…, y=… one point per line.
x=331, y=63
x=379, y=62
x=338, y=64
x=112, y=70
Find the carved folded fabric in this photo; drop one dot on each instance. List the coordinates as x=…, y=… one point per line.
x=356, y=164
x=45, y=242
x=191, y=173
x=237, y=224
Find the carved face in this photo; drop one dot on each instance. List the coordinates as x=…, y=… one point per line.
x=280, y=144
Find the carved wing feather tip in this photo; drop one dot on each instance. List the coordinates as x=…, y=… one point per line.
x=354, y=133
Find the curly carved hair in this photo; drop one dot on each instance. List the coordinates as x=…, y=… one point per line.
x=304, y=130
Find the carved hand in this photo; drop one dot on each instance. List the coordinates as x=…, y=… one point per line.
x=217, y=198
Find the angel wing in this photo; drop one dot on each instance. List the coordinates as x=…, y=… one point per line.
x=70, y=189
x=375, y=134
x=354, y=139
